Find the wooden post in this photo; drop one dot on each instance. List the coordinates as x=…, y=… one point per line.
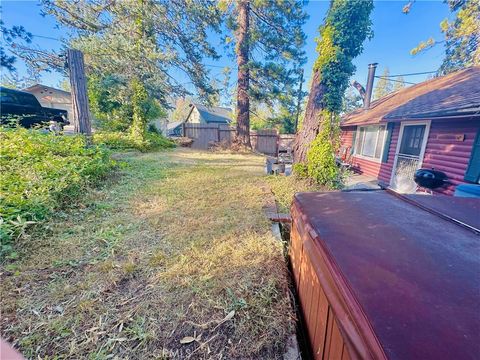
x=78, y=85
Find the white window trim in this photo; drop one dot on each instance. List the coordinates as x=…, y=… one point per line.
x=357, y=138
x=400, y=137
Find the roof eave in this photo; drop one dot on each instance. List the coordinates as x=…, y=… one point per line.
x=444, y=116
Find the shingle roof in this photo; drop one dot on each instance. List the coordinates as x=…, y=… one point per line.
x=452, y=95
x=215, y=114
x=172, y=125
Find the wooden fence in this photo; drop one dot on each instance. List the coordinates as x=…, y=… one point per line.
x=203, y=135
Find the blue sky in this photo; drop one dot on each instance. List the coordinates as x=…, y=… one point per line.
x=395, y=34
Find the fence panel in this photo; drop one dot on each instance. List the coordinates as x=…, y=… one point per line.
x=285, y=142
x=202, y=134
x=266, y=142
x=226, y=134
x=263, y=141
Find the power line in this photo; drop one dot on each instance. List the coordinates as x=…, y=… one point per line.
x=46, y=37
x=215, y=66
x=400, y=81
x=410, y=74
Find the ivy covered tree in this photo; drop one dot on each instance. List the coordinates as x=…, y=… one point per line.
x=268, y=48
x=346, y=26
x=462, y=36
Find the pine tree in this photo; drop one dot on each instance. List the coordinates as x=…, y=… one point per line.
x=384, y=85
x=9, y=36
x=268, y=48
x=139, y=41
x=242, y=50
x=352, y=100
x=399, y=83
x=462, y=36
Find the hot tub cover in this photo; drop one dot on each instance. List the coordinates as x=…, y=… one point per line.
x=415, y=275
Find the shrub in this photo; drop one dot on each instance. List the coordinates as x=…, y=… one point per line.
x=124, y=141
x=41, y=172
x=300, y=170
x=321, y=165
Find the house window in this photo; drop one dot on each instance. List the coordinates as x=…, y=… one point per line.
x=370, y=141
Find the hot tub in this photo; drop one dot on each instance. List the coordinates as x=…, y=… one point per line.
x=383, y=277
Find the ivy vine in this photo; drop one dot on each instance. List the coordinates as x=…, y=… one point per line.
x=346, y=27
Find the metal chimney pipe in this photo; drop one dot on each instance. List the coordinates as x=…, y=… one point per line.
x=368, y=91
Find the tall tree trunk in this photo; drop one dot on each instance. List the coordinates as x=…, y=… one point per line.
x=243, y=102
x=311, y=122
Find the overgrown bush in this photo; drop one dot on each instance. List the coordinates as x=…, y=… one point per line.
x=39, y=173
x=125, y=141
x=115, y=104
x=300, y=170
x=321, y=166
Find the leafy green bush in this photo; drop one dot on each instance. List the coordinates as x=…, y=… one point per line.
x=321, y=165
x=39, y=173
x=124, y=141
x=300, y=170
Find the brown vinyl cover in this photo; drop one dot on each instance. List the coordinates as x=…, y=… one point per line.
x=414, y=275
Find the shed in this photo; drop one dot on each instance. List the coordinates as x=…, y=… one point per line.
x=434, y=124
x=200, y=114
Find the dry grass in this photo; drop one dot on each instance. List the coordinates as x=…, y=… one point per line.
x=283, y=188
x=176, y=248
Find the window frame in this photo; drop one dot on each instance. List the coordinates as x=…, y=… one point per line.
x=358, y=140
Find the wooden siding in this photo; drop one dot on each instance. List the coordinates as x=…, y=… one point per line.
x=365, y=166
x=448, y=149
x=385, y=171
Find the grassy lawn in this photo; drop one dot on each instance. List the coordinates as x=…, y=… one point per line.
x=170, y=258
x=284, y=188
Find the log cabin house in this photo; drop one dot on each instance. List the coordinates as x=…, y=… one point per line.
x=433, y=124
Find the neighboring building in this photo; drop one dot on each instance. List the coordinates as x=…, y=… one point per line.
x=52, y=97
x=434, y=124
x=174, y=128
x=200, y=114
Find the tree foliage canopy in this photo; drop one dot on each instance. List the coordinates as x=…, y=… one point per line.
x=399, y=83
x=148, y=40
x=462, y=36
x=134, y=51
x=384, y=85
x=346, y=27
x=9, y=35
x=275, y=50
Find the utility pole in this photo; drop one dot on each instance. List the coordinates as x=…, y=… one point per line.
x=299, y=100
x=78, y=85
